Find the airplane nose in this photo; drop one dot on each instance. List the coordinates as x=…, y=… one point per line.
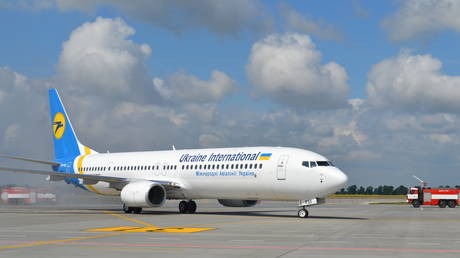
x=338, y=179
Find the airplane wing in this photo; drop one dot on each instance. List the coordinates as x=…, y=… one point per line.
x=116, y=182
x=45, y=162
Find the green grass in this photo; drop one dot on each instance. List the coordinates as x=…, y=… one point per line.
x=367, y=196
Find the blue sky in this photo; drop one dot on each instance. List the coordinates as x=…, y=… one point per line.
x=361, y=82
x=35, y=36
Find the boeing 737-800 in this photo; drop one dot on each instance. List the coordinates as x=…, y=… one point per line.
x=236, y=177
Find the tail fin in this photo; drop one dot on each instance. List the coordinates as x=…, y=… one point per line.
x=66, y=143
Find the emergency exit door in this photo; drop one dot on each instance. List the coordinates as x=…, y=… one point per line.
x=281, y=168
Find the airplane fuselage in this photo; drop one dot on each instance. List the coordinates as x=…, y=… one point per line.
x=251, y=173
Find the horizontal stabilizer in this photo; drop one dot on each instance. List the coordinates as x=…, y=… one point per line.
x=45, y=162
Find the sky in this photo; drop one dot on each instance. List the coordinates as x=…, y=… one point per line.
x=372, y=85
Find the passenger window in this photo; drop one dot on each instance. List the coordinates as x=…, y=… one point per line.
x=232, y=166
x=245, y=166
x=260, y=166
x=306, y=164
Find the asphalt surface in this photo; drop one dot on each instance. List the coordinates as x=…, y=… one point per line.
x=271, y=229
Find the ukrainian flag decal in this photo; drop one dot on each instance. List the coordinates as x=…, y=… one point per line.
x=265, y=156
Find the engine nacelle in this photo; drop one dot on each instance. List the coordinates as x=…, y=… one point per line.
x=143, y=194
x=238, y=203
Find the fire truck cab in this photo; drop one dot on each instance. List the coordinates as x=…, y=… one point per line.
x=426, y=196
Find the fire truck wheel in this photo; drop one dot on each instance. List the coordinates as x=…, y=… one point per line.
x=442, y=204
x=416, y=203
x=451, y=204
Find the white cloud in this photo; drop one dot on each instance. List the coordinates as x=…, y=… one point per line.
x=288, y=68
x=227, y=18
x=184, y=87
x=413, y=82
x=305, y=25
x=369, y=144
x=359, y=155
x=11, y=133
x=98, y=57
x=441, y=138
x=210, y=140
x=416, y=18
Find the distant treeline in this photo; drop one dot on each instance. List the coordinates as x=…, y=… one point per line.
x=380, y=190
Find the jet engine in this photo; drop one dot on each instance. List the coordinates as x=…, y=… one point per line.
x=237, y=203
x=143, y=194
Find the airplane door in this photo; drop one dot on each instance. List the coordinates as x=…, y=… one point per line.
x=281, y=168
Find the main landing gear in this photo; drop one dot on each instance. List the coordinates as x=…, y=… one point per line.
x=187, y=207
x=135, y=210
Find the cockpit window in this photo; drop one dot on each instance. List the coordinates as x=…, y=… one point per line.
x=324, y=163
x=312, y=164
x=306, y=164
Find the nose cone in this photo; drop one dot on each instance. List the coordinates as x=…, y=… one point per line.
x=337, y=179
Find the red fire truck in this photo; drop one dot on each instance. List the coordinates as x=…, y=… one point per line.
x=426, y=196
x=18, y=195
x=25, y=195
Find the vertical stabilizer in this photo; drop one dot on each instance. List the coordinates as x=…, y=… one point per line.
x=66, y=144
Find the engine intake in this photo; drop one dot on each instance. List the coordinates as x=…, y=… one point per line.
x=143, y=194
x=237, y=203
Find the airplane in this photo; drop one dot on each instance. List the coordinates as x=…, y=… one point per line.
x=236, y=177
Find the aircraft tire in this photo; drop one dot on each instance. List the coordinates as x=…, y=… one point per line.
x=183, y=207
x=137, y=210
x=127, y=209
x=191, y=207
x=302, y=213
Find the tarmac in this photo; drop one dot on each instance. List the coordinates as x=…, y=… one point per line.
x=272, y=229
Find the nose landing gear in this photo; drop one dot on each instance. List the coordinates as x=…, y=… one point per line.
x=302, y=213
x=303, y=204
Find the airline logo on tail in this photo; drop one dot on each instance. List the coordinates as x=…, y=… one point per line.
x=58, y=125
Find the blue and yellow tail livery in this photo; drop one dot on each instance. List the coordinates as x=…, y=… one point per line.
x=66, y=144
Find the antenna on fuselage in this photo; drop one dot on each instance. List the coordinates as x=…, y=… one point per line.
x=174, y=148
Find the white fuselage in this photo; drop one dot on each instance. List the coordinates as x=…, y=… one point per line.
x=251, y=173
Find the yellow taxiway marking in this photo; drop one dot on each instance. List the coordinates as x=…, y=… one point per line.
x=59, y=241
x=150, y=228
x=133, y=248
x=128, y=218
